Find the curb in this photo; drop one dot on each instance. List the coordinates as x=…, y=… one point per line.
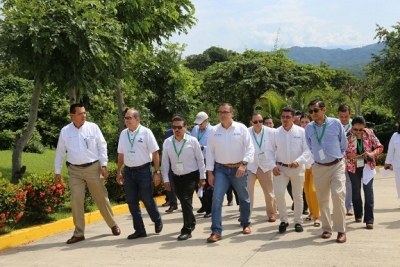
x=31, y=234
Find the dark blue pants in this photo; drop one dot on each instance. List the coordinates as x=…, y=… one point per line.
x=138, y=186
x=356, y=181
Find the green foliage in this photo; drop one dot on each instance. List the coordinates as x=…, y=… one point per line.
x=34, y=144
x=208, y=57
x=7, y=138
x=116, y=192
x=12, y=204
x=43, y=196
x=380, y=161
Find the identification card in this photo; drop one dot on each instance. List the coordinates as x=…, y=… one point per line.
x=131, y=154
x=179, y=166
x=360, y=162
x=261, y=156
x=321, y=154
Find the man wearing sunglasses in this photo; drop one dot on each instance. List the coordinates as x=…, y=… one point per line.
x=201, y=132
x=344, y=114
x=182, y=153
x=289, y=148
x=229, y=149
x=137, y=148
x=327, y=141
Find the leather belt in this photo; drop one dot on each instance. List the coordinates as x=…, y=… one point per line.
x=139, y=167
x=231, y=165
x=187, y=174
x=329, y=163
x=283, y=164
x=82, y=165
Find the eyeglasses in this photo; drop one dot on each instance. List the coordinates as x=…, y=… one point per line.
x=224, y=112
x=286, y=117
x=128, y=118
x=315, y=110
x=257, y=121
x=358, y=129
x=177, y=127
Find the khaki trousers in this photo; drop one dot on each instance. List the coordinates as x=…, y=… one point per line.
x=79, y=177
x=311, y=194
x=267, y=185
x=331, y=180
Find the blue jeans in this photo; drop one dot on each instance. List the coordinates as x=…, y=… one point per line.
x=224, y=177
x=356, y=181
x=138, y=185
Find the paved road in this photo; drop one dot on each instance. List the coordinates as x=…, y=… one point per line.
x=264, y=247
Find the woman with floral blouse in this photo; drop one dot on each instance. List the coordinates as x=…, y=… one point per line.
x=361, y=152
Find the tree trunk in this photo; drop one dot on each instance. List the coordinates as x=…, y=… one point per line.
x=73, y=96
x=18, y=171
x=121, y=107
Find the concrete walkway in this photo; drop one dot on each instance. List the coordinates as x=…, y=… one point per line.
x=264, y=247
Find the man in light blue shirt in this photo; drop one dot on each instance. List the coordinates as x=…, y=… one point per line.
x=327, y=141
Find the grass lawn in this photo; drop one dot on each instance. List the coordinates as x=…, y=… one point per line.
x=35, y=163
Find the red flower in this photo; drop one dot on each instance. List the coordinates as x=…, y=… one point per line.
x=32, y=194
x=48, y=209
x=42, y=194
x=53, y=187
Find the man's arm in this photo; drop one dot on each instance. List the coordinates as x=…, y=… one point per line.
x=120, y=164
x=156, y=164
x=58, y=161
x=249, y=147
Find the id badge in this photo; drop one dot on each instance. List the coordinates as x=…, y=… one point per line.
x=360, y=162
x=261, y=156
x=321, y=154
x=179, y=166
x=131, y=154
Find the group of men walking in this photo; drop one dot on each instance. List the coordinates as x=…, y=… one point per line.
x=211, y=158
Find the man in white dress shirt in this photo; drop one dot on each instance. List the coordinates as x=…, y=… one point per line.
x=344, y=114
x=187, y=163
x=291, y=152
x=229, y=149
x=87, y=165
x=137, y=148
x=261, y=167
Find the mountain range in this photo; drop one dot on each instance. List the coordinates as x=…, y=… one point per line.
x=353, y=60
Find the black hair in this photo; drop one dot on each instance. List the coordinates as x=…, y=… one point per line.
x=344, y=108
x=227, y=104
x=179, y=118
x=320, y=103
x=398, y=129
x=288, y=109
x=305, y=115
x=267, y=117
x=358, y=119
x=298, y=112
x=73, y=106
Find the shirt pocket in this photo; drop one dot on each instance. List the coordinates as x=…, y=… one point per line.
x=297, y=144
x=397, y=145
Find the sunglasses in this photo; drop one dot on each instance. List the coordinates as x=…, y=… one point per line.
x=177, y=127
x=358, y=130
x=257, y=121
x=128, y=118
x=315, y=110
x=224, y=112
x=286, y=117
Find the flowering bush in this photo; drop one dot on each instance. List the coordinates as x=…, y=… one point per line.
x=12, y=204
x=380, y=161
x=116, y=192
x=43, y=196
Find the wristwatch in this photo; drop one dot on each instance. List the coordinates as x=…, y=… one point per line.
x=244, y=162
x=158, y=172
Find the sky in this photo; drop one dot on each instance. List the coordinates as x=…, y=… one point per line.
x=260, y=24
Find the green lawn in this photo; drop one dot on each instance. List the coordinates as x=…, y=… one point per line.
x=35, y=163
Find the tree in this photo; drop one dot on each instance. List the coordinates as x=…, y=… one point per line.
x=210, y=56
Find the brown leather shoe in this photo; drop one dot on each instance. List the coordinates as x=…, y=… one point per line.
x=272, y=219
x=349, y=213
x=246, y=230
x=75, y=239
x=171, y=209
x=115, y=230
x=326, y=235
x=358, y=219
x=214, y=238
x=370, y=226
x=341, y=238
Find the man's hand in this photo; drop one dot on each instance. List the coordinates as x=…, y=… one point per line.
x=104, y=172
x=353, y=156
x=294, y=165
x=120, y=178
x=167, y=186
x=58, y=178
x=241, y=170
x=276, y=171
x=211, y=179
x=202, y=182
x=386, y=166
x=156, y=179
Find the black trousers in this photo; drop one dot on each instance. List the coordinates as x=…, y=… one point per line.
x=206, y=200
x=185, y=185
x=229, y=195
x=289, y=189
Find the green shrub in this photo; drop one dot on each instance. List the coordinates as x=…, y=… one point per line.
x=116, y=192
x=380, y=161
x=12, y=204
x=34, y=144
x=7, y=138
x=43, y=196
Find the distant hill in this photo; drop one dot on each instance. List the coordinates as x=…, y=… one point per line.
x=352, y=60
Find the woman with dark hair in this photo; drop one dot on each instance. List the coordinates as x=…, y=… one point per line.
x=363, y=147
x=393, y=158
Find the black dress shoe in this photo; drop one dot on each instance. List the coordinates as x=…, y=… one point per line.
x=75, y=239
x=282, y=227
x=207, y=215
x=137, y=235
x=201, y=210
x=158, y=226
x=171, y=209
x=184, y=237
